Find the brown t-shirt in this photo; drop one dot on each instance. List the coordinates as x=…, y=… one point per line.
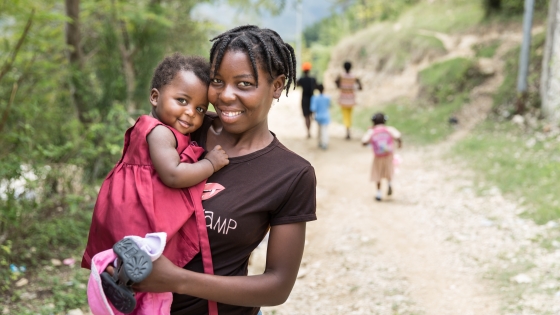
x=268, y=187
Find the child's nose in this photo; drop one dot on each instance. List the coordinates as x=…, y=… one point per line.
x=189, y=110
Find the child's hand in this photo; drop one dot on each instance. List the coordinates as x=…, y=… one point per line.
x=217, y=157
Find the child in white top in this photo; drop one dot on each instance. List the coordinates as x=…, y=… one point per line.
x=382, y=139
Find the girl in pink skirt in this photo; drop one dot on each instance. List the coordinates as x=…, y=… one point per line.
x=382, y=139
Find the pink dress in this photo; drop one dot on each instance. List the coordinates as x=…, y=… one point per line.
x=134, y=201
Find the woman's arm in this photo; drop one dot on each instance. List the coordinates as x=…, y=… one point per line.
x=167, y=162
x=284, y=253
x=359, y=84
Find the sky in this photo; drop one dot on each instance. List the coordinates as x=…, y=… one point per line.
x=284, y=24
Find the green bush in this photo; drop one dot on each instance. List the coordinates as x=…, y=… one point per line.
x=442, y=81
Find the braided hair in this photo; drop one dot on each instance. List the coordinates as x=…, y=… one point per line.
x=262, y=45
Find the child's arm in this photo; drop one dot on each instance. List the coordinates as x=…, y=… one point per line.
x=313, y=107
x=167, y=162
x=367, y=137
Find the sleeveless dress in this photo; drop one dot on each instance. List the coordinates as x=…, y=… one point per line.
x=347, y=86
x=134, y=201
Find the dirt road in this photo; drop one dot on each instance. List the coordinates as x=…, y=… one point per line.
x=426, y=250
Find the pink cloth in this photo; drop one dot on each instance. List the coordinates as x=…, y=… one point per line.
x=146, y=303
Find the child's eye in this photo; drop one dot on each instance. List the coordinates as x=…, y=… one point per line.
x=201, y=110
x=182, y=100
x=245, y=83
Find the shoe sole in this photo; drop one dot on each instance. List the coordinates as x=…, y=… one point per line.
x=135, y=263
x=121, y=297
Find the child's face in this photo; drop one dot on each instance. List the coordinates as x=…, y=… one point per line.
x=181, y=103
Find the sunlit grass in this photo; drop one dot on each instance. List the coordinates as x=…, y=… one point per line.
x=519, y=165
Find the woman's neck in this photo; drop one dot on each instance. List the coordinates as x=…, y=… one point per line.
x=241, y=144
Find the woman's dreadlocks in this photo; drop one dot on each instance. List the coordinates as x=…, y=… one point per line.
x=261, y=44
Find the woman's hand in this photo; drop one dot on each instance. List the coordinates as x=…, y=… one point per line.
x=164, y=274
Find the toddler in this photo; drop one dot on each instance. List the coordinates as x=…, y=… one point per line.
x=320, y=106
x=382, y=138
x=155, y=187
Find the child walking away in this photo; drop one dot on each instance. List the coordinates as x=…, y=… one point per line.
x=320, y=106
x=382, y=139
x=155, y=187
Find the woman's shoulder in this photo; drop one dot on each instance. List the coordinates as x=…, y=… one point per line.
x=289, y=158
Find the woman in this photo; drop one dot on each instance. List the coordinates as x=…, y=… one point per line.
x=347, y=100
x=266, y=187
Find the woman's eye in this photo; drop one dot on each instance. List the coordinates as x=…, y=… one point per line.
x=245, y=83
x=216, y=81
x=182, y=100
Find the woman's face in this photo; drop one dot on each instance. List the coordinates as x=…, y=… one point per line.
x=240, y=104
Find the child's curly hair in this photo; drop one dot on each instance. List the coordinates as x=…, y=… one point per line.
x=379, y=118
x=170, y=65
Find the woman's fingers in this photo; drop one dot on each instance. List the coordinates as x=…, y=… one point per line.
x=162, y=278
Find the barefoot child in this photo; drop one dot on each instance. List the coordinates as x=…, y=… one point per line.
x=155, y=187
x=382, y=138
x=320, y=106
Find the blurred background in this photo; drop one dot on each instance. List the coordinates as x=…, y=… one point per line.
x=75, y=74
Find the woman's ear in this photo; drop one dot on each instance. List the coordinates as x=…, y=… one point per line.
x=154, y=95
x=278, y=84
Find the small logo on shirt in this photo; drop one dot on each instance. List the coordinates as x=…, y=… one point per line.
x=211, y=190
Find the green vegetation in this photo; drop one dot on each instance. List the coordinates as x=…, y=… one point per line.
x=487, y=50
x=515, y=161
x=444, y=90
x=419, y=125
x=68, y=91
x=522, y=162
x=506, y=96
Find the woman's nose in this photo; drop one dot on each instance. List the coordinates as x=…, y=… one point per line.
x=227, y=94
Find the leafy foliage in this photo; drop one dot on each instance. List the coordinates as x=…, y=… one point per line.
x=64, y=107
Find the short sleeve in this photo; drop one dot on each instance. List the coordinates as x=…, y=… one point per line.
x=313, y=106
x=300, y=202
x=394, y=132
x=367, y=136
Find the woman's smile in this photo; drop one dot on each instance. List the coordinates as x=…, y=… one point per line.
x=231, y=114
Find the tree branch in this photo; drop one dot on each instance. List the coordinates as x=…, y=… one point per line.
x=7, y=110
x=8, y=65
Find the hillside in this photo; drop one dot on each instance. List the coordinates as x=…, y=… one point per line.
x=424, y=67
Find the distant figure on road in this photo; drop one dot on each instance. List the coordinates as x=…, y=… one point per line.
x=307, y=84
x=347, y=84
x=320, y=106
x=382, y=138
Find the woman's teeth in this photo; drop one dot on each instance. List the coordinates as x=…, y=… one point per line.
x=231, y=114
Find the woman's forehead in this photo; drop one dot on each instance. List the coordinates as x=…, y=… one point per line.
x=238, y=61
